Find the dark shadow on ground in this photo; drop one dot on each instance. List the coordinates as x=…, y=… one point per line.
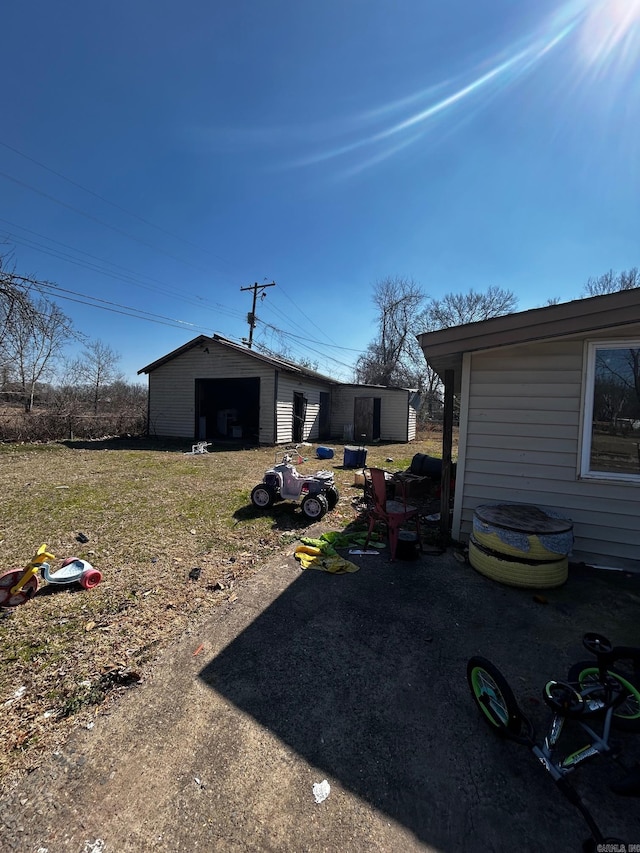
x=287, y=515
x=284, y=515
x=364, y=676
x=320, y=670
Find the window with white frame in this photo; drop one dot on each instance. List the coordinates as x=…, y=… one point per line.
x=611, y=429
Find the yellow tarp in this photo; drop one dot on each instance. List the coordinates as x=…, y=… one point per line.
x=324, y=557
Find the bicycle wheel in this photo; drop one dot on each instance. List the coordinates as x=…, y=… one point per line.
x=626, y=716
x=494, y=697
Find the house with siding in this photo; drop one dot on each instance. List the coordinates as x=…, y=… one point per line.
x=213, y=389
x=550, y=416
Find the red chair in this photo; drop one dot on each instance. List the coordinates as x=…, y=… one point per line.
x=393, y=513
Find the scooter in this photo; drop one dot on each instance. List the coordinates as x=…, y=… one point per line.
x=20, y=585
x=318, y=493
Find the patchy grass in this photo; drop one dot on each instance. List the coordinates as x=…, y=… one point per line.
x=151, y=515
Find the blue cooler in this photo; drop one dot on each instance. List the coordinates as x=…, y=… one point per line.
x=354, y=457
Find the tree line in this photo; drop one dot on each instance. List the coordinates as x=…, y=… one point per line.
x=88, y=396
x=44, y=392
x=404, y=310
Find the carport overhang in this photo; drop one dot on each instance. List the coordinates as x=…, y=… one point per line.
x=445, y=349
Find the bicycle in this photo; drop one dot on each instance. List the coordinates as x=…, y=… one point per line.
x=594, y=693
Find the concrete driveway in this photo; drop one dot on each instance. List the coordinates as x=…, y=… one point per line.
x=356, y=679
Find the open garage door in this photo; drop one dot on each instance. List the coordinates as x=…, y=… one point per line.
x=228, y=410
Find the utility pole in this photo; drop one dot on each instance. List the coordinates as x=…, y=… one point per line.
x=251, y=316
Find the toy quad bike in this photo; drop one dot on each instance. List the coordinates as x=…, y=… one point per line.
x=317, y=493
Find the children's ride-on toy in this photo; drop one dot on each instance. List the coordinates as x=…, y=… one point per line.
x=317, y=492
x=73, y=570
x=19, y=585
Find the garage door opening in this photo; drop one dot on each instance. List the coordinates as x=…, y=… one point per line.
x=228, y=410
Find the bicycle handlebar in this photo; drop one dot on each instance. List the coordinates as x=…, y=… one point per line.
x=597, y=644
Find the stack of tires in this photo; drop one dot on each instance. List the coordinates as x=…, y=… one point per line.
x=521, y=545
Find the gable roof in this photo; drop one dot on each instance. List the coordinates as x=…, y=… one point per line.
x=444, y=348
x=276, y=362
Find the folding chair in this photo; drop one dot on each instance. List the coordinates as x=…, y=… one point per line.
x=393, y=513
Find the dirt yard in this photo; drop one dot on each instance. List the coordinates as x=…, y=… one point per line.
x=168, y=712
x=173, y=535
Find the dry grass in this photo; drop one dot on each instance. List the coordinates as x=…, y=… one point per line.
x=151, y=514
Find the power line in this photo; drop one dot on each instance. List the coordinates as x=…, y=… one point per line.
x=105, y=304
x=108, y=273
x=310, y=340
x=137, y=314
x=314, y=352
x=116, y=308
x=287, y=320
x=99, y=221
x=129, y=275
x=108, y=201
x=297, y=307
x=80, y=251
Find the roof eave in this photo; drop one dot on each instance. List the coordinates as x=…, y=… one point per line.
x=568, y=318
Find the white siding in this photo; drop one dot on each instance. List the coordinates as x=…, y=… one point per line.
x=172, y=397
x=394, y=414
x=397, y=418
x=520, y=443
x=411, y=430
x=172, y=389
x=288, y=384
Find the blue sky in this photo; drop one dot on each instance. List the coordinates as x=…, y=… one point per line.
x=159, y=156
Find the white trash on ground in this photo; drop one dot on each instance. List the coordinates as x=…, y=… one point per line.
x=321, y=790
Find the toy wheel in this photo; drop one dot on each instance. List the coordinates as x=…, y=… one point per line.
x=90, y=578
x=10, y=579
x=262, y=496
x=333, y=496
x=494, y=697
x=626, y=716
x=315, y=506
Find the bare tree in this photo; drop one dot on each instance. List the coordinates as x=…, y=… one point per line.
x=611, y=282
x=394, y=357
x=456, y=309
x=96, y=369
x=128, y=394
x=14, y=297
x=35, y=333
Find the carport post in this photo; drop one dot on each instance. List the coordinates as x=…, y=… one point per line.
x=447, y=444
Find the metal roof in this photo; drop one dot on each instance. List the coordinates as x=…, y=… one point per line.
x=277, y=362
